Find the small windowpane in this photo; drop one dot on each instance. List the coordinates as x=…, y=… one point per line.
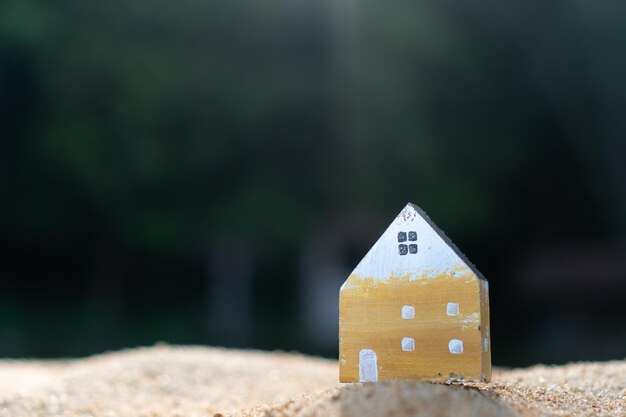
x=412, y=236
x=408, y=312
x=455, y=346
x=452, y=309
x=408, y=344
x=403, y=249
x=413, y=248
x=401, y=236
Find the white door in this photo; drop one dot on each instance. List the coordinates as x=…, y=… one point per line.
x=368, y=368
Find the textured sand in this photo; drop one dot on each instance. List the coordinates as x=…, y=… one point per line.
x=193, y=381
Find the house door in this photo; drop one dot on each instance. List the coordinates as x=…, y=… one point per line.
x=368, y=368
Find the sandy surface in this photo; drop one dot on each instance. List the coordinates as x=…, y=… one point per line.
x=193, y=381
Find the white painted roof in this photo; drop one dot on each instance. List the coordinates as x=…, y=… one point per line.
x=436, y=254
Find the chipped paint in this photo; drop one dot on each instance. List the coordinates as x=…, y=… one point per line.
x=471, y=321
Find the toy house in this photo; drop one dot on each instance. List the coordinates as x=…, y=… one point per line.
x=414, y=308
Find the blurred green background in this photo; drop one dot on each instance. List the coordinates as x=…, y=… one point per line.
x=211, y=172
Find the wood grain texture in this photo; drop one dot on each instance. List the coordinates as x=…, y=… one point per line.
x=371, y=318
x=485, y=331
x=414, y=308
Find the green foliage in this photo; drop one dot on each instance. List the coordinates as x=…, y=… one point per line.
x=158, y=127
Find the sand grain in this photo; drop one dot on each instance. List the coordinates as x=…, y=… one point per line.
x=166, y=381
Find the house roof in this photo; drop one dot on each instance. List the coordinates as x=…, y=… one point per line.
x=414, y=246
x=446, y=239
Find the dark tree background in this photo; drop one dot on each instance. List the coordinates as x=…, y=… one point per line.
x=210, y=172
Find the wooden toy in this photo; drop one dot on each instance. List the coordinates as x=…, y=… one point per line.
x=414, y=308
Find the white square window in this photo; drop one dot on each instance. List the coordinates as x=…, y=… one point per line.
x=408, y=312
x=455, y=346
x=453, y=309
x=408, y=344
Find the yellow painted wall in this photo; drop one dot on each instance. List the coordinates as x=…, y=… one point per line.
x=370, y=318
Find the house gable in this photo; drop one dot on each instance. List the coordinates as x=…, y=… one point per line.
x=413, y=247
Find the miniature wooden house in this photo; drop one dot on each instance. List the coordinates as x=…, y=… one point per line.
x=414, y=308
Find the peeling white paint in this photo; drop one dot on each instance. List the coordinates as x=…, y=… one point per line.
x=455, y=346
x=470, y=321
